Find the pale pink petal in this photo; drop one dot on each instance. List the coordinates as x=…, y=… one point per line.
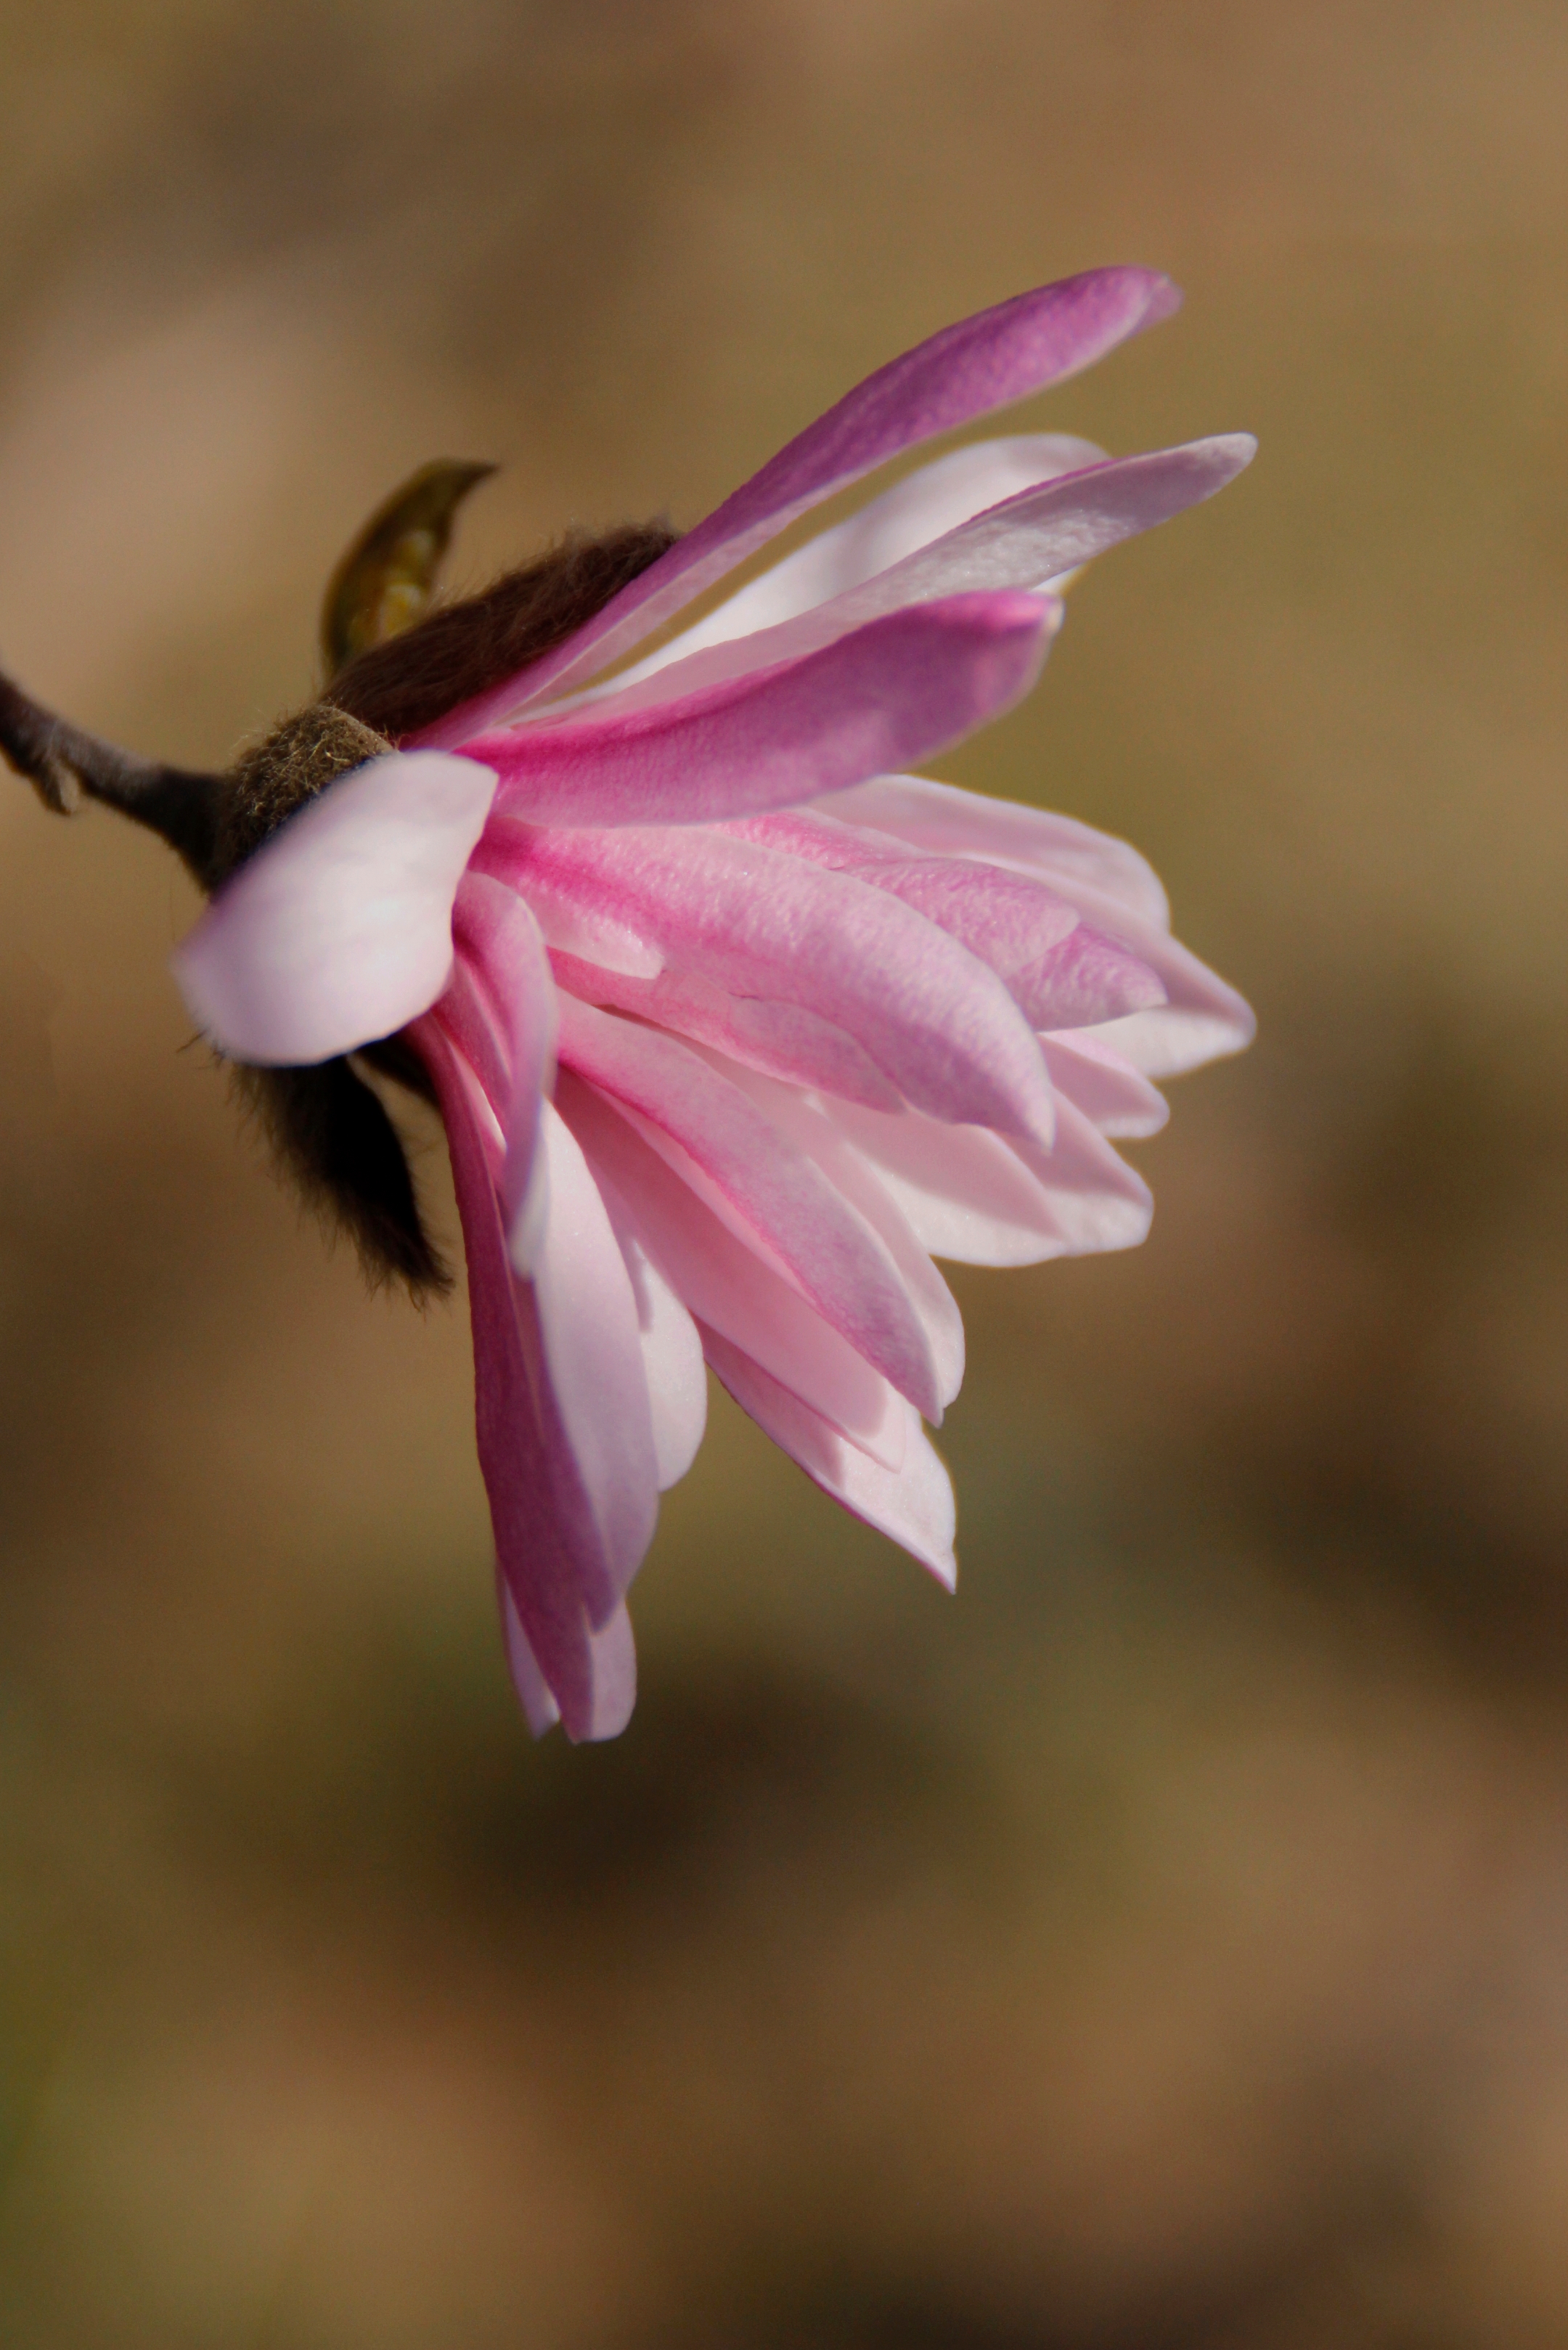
x=901, y=689
x=932, y=1018
x=611, y=1675
x=338, y=932
x=597, y=1404
x=966, y=371
x=916, y=510
x=1111, y=885
x=965, y=1195
x=1109, y=1091
x=776, y=1201
x=1097, y=1201
x=723, y=1283
x=914, y=1503
x=1059, y=971
x=810, y=1124
x=1201, y=1019
x=539, y=1706
x=671, y=1356
x=535, y=1502
x=782, y=1040
x=948, y=822
x=1036, y=536
x=500, y=1005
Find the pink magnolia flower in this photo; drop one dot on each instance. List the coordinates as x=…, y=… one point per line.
x=735, y=1024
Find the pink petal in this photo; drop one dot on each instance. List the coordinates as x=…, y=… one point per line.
x=535, y=1501
x=782, y=1040
x=1038, y=535
x=592, y=1359
x=1109, y=883
x=901, y=689
x=533, y=1694
x=1201, y=1019
x=935, y=1021
x=725, y=1283
x=1097, y=1200
x=944, y=821
x=500, y=1005
x=774, y=1198
x=911, y=514
x=812, y=1128
x=966, y=371
x=338, y=931
x=611, y=1673
x=671, y=1356
x=1061, y=973
x=914, y=1503
x=1112, y=1094
x=964, y=1193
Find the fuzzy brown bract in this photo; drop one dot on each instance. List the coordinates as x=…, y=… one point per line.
x=268, y=783
x=462, y=650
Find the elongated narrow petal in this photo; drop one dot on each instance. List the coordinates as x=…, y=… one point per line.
x=671, y=1356
x=610, y=1673
x=946, y=822
x=772, y=1195
x=722, y=1281
x=592, y=1359
x=500, y=1007
x=578, y=1329
x=967, y=370
x=536, y=1504
x=898, y=690
x=338, y=931
x=1097, y=1201
x=932, y=1018
x=1112, y=886
x=782, y=1040
x=1059, y=971
x=1201, y=1018
x=964, y=1193
x=1037, y=534
x=812, y=1128
x=1112, y=1094
x=884, y=531
x=914, y=1503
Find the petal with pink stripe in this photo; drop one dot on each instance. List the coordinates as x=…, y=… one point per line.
x=536, y=1505
x=901, y=689
x=914, y=1503
x=722, y=1281
x=1038, y=535
x=965, y=371
x=774, y=1198
x=1059, y=971
x=937, y=1023
x=907, y=516
x=944, y=821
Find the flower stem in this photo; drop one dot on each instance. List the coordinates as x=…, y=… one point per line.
x=61, y=761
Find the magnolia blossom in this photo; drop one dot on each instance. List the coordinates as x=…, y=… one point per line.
x=734, y=1023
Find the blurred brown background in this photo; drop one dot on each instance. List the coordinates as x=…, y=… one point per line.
x=1164, y=1944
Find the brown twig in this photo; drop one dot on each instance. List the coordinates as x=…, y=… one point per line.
x=62, y=760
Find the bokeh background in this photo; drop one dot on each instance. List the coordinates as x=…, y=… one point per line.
x=1165, y=1944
